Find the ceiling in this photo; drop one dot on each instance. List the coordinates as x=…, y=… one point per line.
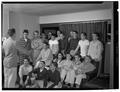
x=42, y=9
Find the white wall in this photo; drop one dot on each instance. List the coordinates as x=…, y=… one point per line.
x=5, y=21
x=22, y=21
x=79, y=16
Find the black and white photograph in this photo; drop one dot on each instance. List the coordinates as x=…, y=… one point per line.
x=70, y=45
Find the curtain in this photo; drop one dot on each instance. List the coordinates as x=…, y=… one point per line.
x=89, y=27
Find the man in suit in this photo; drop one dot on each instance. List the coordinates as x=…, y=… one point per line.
x=10, y=60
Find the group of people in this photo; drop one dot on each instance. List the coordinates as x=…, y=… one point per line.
x=49, y=61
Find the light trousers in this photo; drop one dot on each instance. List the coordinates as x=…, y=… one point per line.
x=40, y=83
x=70, y=77
x=63, y=73
x=56, y=86
x=10, y=76
x=79, y=78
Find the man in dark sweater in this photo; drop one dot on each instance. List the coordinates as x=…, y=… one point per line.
x=62, y=44
x=53, y=77
x=41, y=75
x=72, y=44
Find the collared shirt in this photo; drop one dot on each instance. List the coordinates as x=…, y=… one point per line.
x=41, y=74
x=37, y=44
x=95, y=50
x=45, y=55
x=11, y=58
x=24, y=48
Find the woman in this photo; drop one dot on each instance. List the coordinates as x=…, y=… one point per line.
x=59, y=59
x=37, y=45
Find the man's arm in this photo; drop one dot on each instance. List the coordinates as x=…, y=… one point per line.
x=76, y=49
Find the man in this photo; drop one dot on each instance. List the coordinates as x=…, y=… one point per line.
x=10, y=60
x=54, y=45
x=83, y=44
x=53, y=77
x=24, y=44
x=72, y=44
x=62, y=44
x=37, y=45
x=45, y=55
x=82, y=71
x=41, y=75
x=95, y=51
x=24, y=70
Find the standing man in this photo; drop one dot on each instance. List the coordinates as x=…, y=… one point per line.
x=24, y=44
x=83, y=44
x=37, y=45
x=95, y=51
x=72, y=44
x=62, y=44
x=10, y=60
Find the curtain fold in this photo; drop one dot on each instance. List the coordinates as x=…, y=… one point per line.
x=88, y=27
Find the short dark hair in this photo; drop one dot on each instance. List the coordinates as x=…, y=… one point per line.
x=53, y=35
x=43, y=62
x=27, y=59
x=75, y=31
x=36, y=31
x=84, y=34
x=11, y=32
x=45, y=42
x=25, y=31
x=96, y=33
x=55, y=64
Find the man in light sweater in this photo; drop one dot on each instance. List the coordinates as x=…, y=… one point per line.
x=95, y=51
x=10, y=60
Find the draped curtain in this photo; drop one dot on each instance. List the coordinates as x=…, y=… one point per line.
x=89, y=27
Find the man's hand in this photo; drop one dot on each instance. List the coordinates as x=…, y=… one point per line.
x=72, y=52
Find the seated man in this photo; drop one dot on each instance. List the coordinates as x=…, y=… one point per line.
x=45, y=55
x=85, y=67
x=41, y=75
x=53, y=77
x=24, y=70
